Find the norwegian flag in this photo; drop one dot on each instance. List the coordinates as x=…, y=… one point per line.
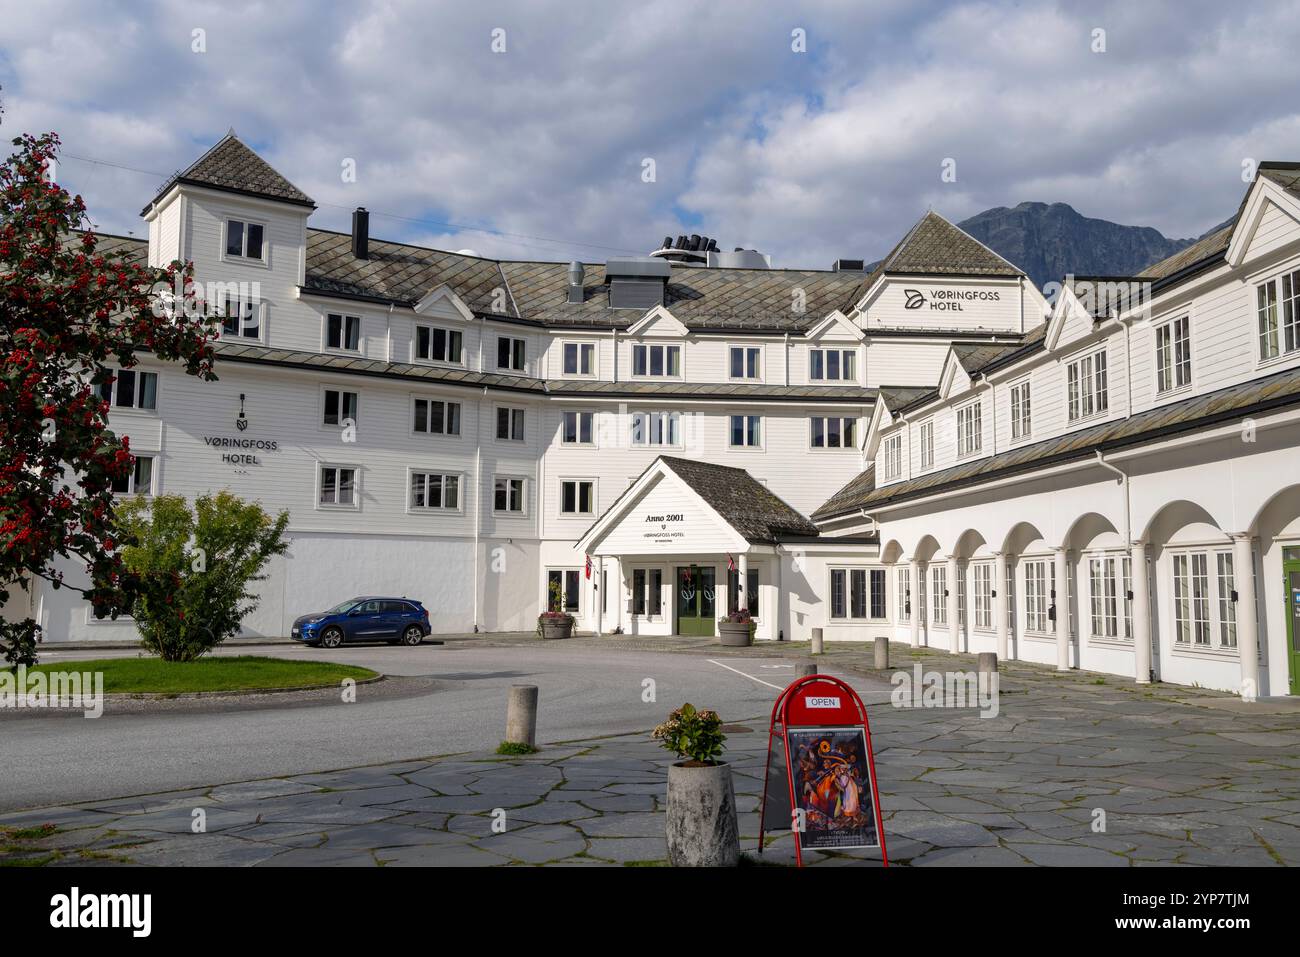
x=588, y=566
x=731, y=563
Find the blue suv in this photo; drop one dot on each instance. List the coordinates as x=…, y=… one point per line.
x=393, y=620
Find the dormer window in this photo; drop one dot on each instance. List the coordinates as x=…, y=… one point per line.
x=970, y=429
x=437, y=345
x=1086, y=387
x=244, y=240
x=891, y=457
x=511, y=353
x=657, y=361
x=746, y=362
x=832, y=365
x=241, y=319
x=343, y=332
x=579, y=358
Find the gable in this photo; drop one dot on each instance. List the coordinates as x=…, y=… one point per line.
x=1070, y=321
x=443, y=303
x=836, y=326
x=668, y=517
x=658, y=322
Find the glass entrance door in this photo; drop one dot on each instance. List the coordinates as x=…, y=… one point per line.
x=696, y=600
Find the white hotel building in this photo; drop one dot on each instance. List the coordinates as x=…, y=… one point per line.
x=929, y=451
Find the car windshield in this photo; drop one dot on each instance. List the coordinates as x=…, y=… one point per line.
x=341, y=608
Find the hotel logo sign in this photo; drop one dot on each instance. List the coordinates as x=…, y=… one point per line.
x=948, y=300
x=664, y=528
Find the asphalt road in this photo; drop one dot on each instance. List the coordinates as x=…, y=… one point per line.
x=57, y=758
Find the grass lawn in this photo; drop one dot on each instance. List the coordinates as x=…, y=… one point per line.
x=238, y=673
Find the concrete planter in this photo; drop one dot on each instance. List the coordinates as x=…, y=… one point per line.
x=736, y=634
x=702, y=829
x=557, y=628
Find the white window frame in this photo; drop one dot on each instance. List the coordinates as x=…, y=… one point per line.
x=1216, y=598
x=1098, y=399
x=852, y=575
x=522, y=511
x=925, y=445
x=664, y=578
x=582, y=347
x=577, y=497
x=970, y=429
x=514, y=341
x=645, y=424
x=111, y=388
x=344, y=317
x=242, y=257
x=745, y=351
x=255, y=306
x=430, y=472
x=1109, y=612
x=355, y=504
x=1281, y=295
x=891, y=457
x=648, y=349
x=1172, y=359
x=746, y=444
x=431, y=359
x=825, y=421
x=132, y=488
x=446, y=404
x=847, y=361
x=341, y=390
x=1021, y=409
x=1037, y=594
x=578, y=416
x=510, y=438
x=564, y=571
x=903, y=588
x=982, y=580
x=938, y=598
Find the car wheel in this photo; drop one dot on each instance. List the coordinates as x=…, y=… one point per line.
x=412, y=636
x=331, y=637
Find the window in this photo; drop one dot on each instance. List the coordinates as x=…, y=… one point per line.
x=1036, y=595
x=655, y=428
x=140, y=481
x=1086, y=379
x=510, y=425
x=240, y=318
x=751, y=591
x=435, y=417
x=1266, y=304
x=1203, y=600
x=878, y=610
x=831, y=364
x=1286, y=288
x=131, y=390
x=746, y=431
x=1020, y=415
x=338, y=486
x=833, y=432
x=647, y=592
x=577, y=497
x=983, y=574
x=970, y=429
x=904, y=579
x=926, y=441
x=579, y=358
x=656, y=360
x=511, y=353
x=939, y=594
x=245, y=240
x=891, y=457
x=1227, y=607
x=340, y=407
x=576, y=428
x=1173, y=355
x=435, y=490
x=562, y=590
x=745, y=362
x=1108, y=590
x=343, y=332
x=508, y=495
x=437, y=345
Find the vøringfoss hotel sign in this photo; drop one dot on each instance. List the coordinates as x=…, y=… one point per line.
x=947, y=300
x=241, y=449
x=664, y=527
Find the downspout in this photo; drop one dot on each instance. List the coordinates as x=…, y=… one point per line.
x=388, y=334
x=786, y=358
x=613, y=335
x=1123, y=477
x=478, y=493
x=1022, y=305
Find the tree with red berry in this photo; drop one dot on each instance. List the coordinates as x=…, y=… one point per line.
x=69, y=313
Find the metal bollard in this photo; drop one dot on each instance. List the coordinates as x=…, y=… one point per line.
x=816, y=641
x=521, y=715
x=805, y=668
x=882, y=654
x=988, y=662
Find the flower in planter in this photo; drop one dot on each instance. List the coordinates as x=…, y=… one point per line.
x=740, y=616
x=694, y=736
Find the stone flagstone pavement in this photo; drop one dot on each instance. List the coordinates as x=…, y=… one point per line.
x=1181, y=776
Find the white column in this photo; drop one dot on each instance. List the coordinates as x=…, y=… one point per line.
x=1000, y=602
x=1062, y=587
x=1243, y=580
x=598, y=573
x=914, y=588
x=778, y=601
x=1141, y=613
x=742, y=577
x=954, y=633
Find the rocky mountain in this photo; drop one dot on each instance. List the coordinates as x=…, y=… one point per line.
x=1048, y=241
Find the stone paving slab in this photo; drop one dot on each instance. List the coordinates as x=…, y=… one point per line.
x=1070, y=773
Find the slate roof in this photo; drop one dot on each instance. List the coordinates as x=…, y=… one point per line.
x=746, y=504
x=1231, y=404
x=233, y=167
x=935, y=246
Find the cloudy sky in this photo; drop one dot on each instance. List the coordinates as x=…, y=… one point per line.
x=811, y=131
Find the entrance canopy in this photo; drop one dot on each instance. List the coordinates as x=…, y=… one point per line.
x=681, y=507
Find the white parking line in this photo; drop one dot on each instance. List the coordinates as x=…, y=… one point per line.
x=743, y=675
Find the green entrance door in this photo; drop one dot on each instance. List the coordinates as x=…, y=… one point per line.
x=696, y=600
x=1291, y=575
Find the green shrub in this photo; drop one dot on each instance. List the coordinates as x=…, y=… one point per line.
x=694, y=736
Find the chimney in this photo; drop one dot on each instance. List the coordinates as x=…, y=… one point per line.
x=361, y=233
x=576, y=272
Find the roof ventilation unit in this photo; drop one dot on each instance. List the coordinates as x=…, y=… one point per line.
x=849, y=265
x=576, y=273
x=636, y=282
